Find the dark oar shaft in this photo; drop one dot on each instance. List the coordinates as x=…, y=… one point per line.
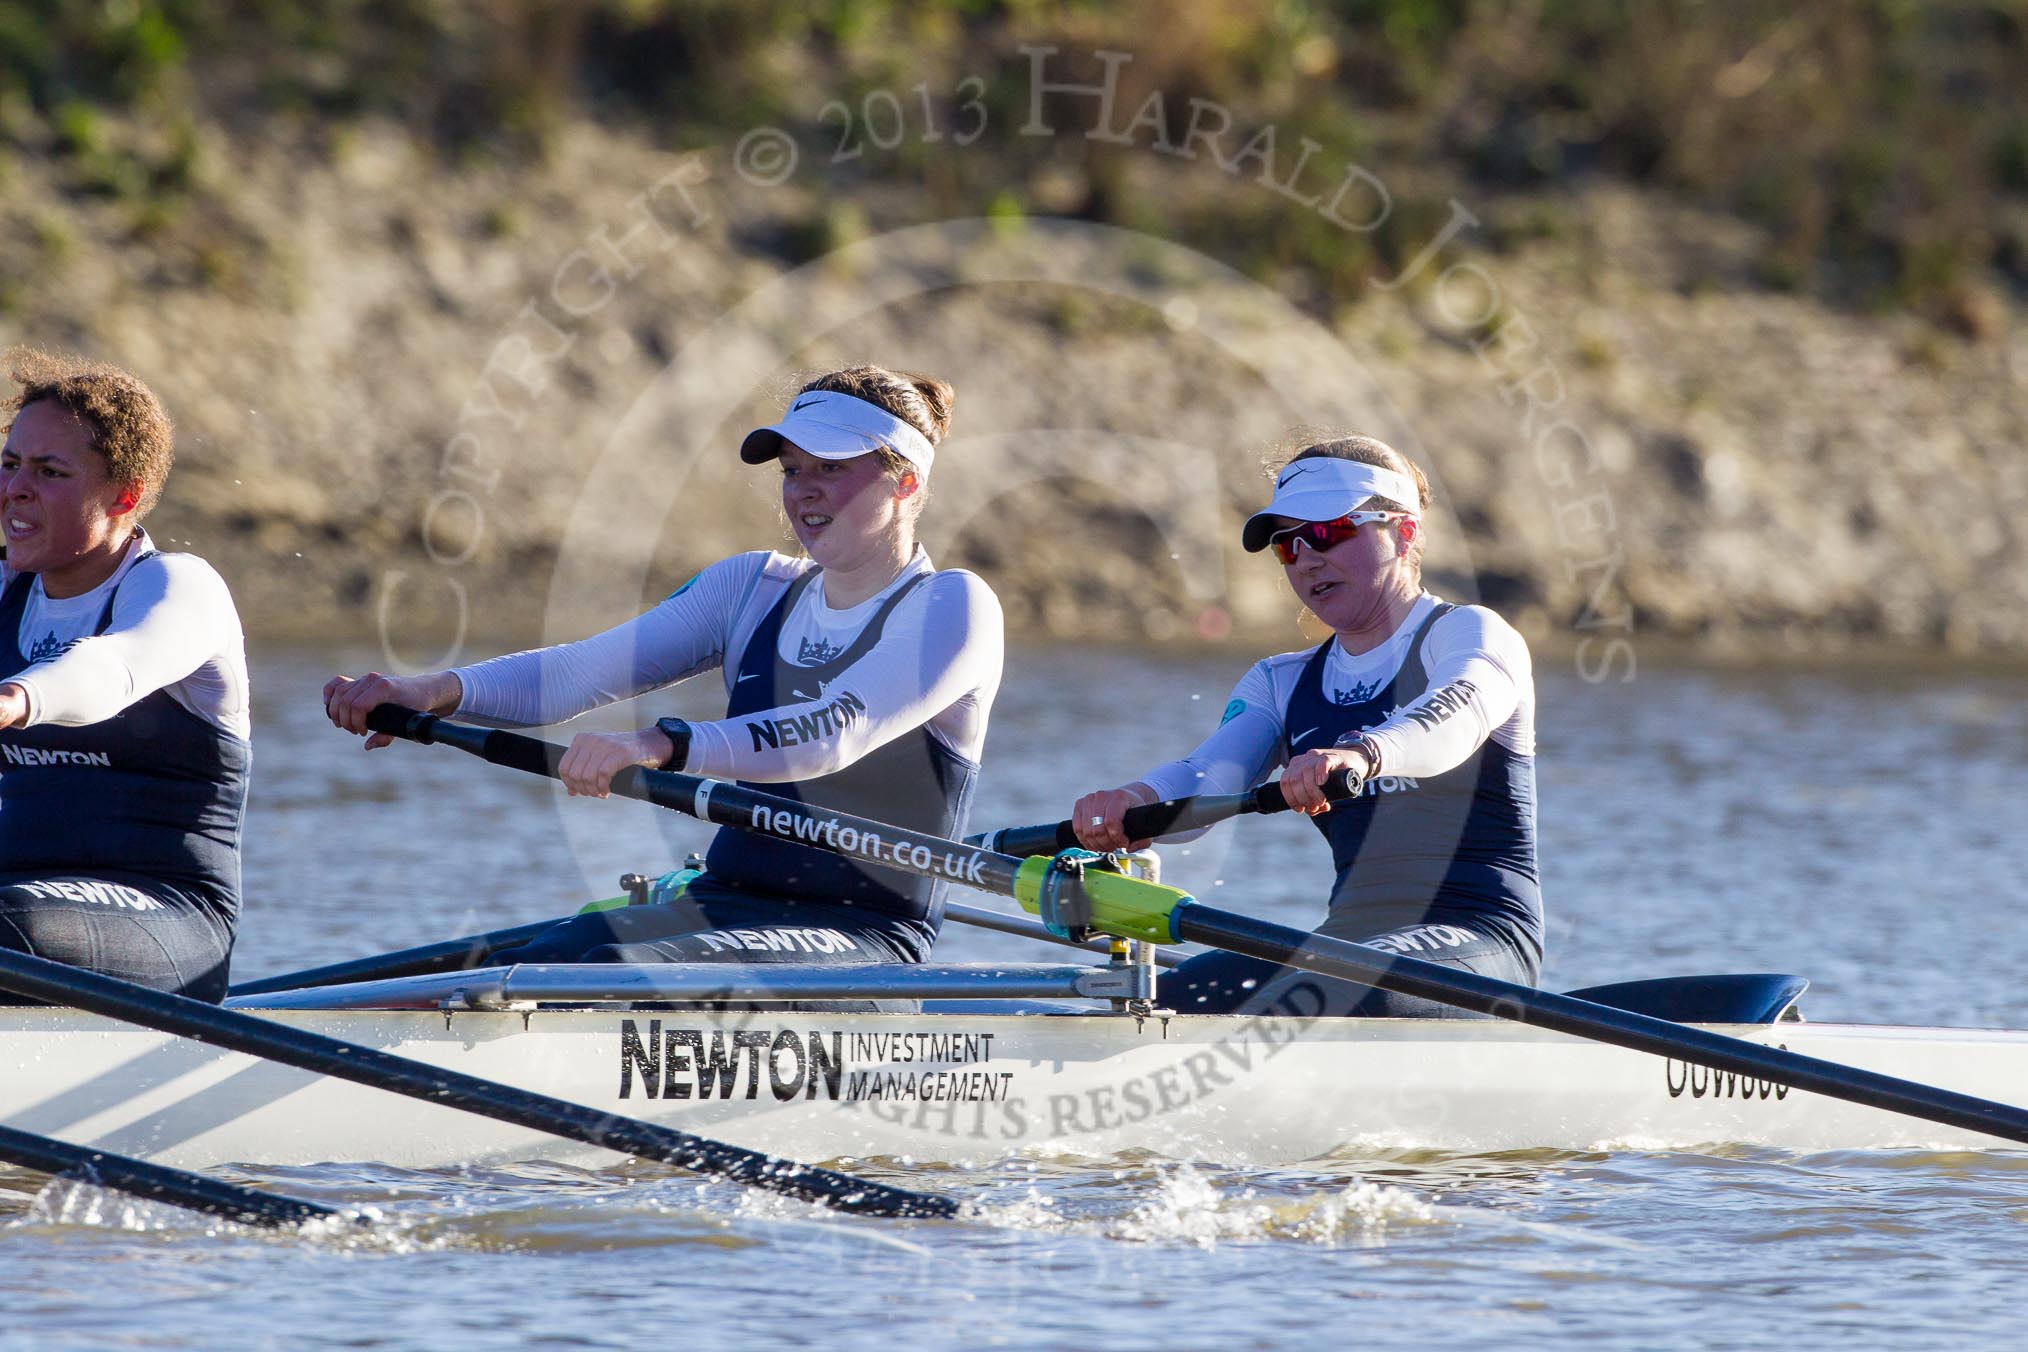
x=55, y=983
x=743, y=809
x=449, y=955
x=1130, y=906
x=155, y=1182
x=1152, y=821
x=1601, y=1023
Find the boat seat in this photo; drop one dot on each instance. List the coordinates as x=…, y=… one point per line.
x=1741, y=997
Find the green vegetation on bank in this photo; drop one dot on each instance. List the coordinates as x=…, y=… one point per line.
x=1883, y=144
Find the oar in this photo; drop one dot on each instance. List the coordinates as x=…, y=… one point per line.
x=1152, y=821
x=448, y=955
x=1071, y=898
x=58, y=984
x=155, y=1182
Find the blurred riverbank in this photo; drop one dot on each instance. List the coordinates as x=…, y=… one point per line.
x=424, y=396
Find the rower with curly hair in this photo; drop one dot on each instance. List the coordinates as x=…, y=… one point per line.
x=124, y=730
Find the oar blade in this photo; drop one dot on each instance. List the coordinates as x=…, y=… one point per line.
x=155, y=1182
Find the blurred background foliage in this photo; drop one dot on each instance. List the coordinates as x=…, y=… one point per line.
x=1882, y=144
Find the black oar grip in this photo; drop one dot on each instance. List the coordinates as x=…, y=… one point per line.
x=1023, y=841
x=1268, y=797
x=1147, y=822
x=508, y=749
x=398, y=720
x=1152, y=821
x=1155, y=820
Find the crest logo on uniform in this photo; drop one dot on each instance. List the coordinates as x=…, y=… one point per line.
x=47, y=647
x=1358, y=694
x=816, y=654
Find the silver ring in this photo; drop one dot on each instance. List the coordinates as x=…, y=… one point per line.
x=1098, y=821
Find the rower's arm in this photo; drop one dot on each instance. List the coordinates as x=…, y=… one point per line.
x=1478, y=672
x=680, y=637
x=1244, y=749
x=938, y=663
x=173, y=615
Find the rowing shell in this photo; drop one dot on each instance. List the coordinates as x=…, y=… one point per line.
x=969, y=1087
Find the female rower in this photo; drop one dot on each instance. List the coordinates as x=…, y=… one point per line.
x=857, y=678
x=123, y=696
x=1428, y=705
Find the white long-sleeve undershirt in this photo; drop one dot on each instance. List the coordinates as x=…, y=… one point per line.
x=173, y=627
x=937, y=664
x=1481, y=685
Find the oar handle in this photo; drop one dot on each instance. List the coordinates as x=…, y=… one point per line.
x=508, y=749
x=515, y=751
x=1152, y=821
x=398, y=720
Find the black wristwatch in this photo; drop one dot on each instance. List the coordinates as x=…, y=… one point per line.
x=678, y=733
x=1356, y=741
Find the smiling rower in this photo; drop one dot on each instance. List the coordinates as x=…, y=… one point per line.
x=1430, y=708
x=857, y=678
x=123, y=696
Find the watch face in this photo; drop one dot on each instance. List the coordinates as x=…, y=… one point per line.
x=678, y=733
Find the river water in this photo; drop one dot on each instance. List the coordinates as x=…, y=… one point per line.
x=1860, y=828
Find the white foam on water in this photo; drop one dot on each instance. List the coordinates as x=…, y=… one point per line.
x=1188, y=1207
x=69, y=1201
x=75, y=1202
x=1181, y=1204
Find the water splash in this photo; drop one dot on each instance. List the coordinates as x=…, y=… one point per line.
x=80, y=1204
x=1186, y=1205
x=1189, y=1208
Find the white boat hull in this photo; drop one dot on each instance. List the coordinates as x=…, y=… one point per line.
x=969, y=1088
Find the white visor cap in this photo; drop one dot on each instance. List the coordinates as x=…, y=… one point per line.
x=1324, y=488
x=834, y=426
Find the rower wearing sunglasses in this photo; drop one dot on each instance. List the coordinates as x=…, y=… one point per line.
x=857, y=677
x=1428, y=706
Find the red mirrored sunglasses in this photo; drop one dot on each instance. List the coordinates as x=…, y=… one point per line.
x=1322, y=535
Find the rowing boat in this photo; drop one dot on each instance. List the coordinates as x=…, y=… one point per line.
x=727, y=1069
x=960, y=1080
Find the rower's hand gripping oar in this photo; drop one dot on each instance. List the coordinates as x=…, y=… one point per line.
x=1069, y=896
x=1152, y=821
